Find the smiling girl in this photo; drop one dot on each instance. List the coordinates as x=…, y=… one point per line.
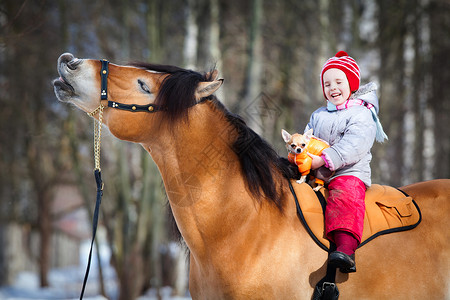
x=349, y=123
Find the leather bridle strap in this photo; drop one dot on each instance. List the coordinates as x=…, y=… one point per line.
x=104, y=79
x=150, y=108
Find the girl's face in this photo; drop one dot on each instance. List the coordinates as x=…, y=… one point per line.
x=336, y=86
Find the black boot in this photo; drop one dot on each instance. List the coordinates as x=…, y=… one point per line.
x=345, y=262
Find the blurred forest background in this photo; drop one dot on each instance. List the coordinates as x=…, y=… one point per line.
x=269, y=53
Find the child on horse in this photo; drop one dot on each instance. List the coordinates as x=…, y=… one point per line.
x=349, y=123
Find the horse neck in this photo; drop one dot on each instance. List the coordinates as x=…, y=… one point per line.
x=202, y=177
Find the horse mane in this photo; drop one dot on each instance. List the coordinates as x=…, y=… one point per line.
x=259, y=162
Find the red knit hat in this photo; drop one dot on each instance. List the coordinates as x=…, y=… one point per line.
x=346, y=64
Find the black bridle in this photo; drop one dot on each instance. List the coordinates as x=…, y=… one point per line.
x=150, y=108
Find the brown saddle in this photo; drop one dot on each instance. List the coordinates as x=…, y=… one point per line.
x=388, y=210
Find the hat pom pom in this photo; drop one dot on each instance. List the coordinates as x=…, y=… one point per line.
x=341, y=53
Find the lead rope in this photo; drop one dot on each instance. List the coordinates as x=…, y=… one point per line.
x=98, y=180
x=97, y=170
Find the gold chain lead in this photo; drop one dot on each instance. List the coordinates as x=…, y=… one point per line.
x=97, y=135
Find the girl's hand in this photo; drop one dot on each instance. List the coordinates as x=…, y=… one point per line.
x=317, y=161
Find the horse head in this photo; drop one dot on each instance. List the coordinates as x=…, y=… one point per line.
x=143, y=94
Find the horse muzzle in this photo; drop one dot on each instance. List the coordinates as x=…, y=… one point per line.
x=67, y=64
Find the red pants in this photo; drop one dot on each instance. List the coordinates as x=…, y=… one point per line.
x=346, y=206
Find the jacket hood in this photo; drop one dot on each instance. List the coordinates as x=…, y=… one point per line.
x=368, y=94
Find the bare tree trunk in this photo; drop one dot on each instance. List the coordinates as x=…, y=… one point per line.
x=190, y=39
x=128, y=255
x=125, y=40
x=156, y=224
x=149, y=232
x=42, y=174
x=420, y=96
x=440, y=66
x=290, y=43
x=391, y=37
x=253, y=73
x=42, y=179
x=154, y=31
x=45, y=234
x=214, y=43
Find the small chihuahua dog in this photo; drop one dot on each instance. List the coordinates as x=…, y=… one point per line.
x=298, y=147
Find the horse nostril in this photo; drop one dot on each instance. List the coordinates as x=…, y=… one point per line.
x=73, y=64
x=65, y=58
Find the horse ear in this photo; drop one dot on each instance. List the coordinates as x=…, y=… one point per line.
x=206, y=88
x=286, y=136
x=213, y=75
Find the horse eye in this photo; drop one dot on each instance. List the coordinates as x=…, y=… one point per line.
x=144, y=86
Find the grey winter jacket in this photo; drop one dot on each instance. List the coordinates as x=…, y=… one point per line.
x=350, y=133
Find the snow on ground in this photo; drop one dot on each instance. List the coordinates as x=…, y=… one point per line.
x=65, y=284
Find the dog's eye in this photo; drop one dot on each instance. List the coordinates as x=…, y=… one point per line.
x=144, y=86
x=293, y=145
x=303, y=145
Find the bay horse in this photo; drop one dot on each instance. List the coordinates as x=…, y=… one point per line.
x=228, y=191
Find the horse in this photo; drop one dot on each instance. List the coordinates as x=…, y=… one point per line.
x=229, y=194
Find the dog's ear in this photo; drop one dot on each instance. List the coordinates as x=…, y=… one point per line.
x=308, y=134
x=286, y=135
